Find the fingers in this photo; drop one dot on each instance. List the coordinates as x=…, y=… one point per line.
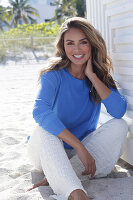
x=91, y=169
x=84, y=173
x=90, y=58
x=87, y=171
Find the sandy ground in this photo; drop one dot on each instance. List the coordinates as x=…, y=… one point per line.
x=18, y=91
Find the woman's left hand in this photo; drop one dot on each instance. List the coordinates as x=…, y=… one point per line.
x=89, y=68
x=87, y=160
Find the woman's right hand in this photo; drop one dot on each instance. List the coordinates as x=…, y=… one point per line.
x=85, y=157
x=87, y=160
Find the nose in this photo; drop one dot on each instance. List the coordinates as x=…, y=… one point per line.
x=76, y=47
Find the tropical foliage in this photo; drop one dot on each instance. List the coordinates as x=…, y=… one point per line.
x=21, y=12
x=25, y=34
x=69, y=8
x=39, y=37
x=64, y=9
x=80, y=7
x=36, y=30
x=3, y=18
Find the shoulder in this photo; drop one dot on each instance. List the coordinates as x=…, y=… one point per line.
x=54, y=77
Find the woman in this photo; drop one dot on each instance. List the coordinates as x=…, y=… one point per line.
x=67, y=110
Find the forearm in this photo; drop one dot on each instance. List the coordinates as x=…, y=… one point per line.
x=70, y=139
x=100, y=87
x=83, y=154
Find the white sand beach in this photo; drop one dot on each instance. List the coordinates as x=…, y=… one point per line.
x=18, y=90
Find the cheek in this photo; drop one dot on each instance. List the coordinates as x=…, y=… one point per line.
x=68, y=50
x=87, y=49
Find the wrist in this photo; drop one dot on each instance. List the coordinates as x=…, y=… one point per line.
x=79, y=146
x=91, y=76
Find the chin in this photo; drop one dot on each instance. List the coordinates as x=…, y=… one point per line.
x=79, y=62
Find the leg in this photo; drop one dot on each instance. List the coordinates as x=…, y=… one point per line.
x=33, y=149
x=56, y=165
x=106, y=145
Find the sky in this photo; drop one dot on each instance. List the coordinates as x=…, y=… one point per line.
x=4, y=2
x=41, y=5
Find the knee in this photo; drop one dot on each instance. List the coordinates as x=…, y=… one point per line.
x=122, y=125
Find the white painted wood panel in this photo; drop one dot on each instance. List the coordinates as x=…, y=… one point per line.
x=114, y=19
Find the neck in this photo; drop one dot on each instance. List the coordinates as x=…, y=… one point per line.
x=77, y=71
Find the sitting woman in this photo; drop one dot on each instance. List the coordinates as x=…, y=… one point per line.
x=67, y=111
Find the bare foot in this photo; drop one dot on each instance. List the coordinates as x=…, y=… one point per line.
x=43, y=182
x=78, y=195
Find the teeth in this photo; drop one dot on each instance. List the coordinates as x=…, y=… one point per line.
x=77, y=56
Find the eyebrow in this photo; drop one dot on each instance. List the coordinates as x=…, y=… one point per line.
x=79, y=40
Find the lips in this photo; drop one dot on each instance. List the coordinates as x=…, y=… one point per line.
x=80, y=56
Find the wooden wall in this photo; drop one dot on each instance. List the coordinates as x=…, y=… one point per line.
x=114, y=19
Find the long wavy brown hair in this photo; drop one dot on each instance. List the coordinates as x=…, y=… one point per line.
x=101, y=62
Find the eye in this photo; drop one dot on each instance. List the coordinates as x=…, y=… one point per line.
x=69, y=43
x=84, y=42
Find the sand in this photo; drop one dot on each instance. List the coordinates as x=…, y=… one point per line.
x=18, y=91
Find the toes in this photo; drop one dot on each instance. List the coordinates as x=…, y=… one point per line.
x=41, y=183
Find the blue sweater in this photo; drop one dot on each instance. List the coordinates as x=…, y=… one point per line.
x=63, y=102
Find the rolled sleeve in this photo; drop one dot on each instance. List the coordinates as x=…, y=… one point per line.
x=115, y=104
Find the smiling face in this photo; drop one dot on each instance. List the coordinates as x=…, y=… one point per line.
x=77, y=46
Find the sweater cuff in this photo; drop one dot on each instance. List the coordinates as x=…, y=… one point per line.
x=108, y=100
x=53, y=126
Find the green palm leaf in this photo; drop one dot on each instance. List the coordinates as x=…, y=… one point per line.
x=3, y=18
x=22, y=12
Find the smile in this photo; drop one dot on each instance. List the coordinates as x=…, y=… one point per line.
x=78, y=56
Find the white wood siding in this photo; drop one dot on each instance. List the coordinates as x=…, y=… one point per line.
x=114, y=19
x=45, y=10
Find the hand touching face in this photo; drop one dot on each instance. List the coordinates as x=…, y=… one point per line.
x=89, y=68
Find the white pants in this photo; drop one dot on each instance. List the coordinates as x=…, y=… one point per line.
x=47, y=153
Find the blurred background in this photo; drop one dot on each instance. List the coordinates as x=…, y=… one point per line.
x=28, y=27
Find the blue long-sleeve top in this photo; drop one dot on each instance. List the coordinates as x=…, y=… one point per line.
x=63, y=102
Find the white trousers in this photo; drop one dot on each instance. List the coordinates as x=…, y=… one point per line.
x=47, y=153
